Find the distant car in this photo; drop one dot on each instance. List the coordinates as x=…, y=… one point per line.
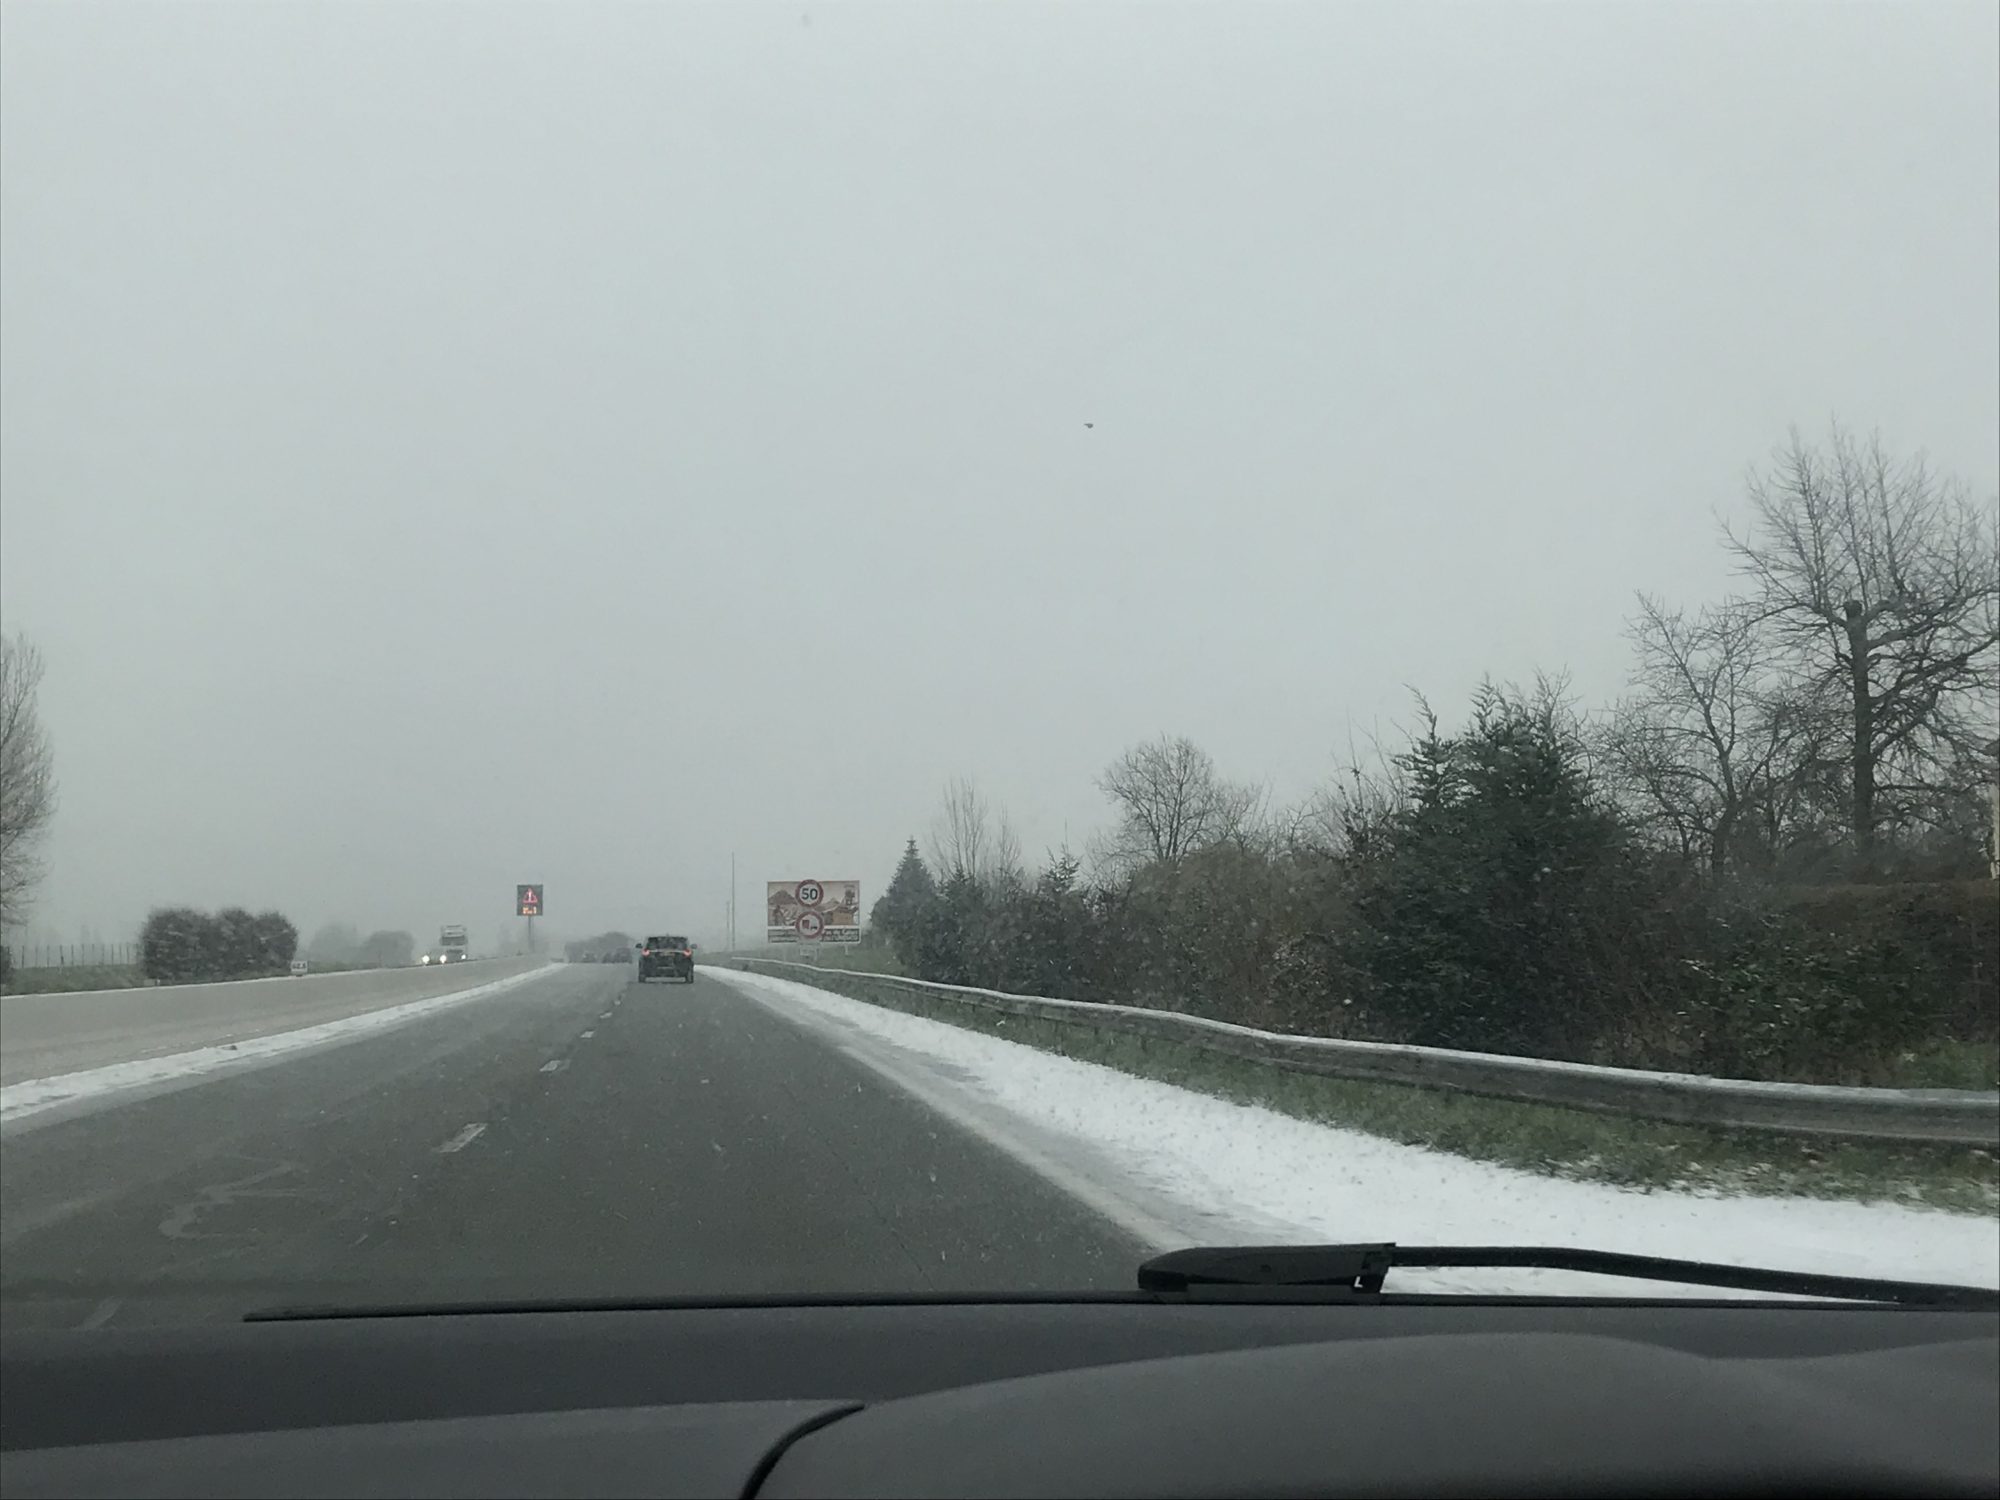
x=666, y=958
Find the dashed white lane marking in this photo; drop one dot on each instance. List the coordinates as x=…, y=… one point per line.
x=590, y=1033
x=102, y=1313
x=555, y=1065
x=463, y=1139
x=605, y=1017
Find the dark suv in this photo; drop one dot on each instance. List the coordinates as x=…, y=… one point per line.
x=666, y=958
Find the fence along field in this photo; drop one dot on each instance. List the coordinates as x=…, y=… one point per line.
x=72, y=955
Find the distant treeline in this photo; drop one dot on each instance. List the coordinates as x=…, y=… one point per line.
x=338, y=945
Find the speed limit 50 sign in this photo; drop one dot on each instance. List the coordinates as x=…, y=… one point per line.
x=812, y=911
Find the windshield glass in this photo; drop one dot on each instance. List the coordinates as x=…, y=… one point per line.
x=1297, y=623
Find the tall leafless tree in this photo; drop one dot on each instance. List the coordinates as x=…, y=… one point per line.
x=962, y=832
x=1007, y=866
x=27, y=778
x=1714, y=745
x=1880, y=580
x=1171, y=802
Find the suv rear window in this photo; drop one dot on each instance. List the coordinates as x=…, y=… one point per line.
x=661, y=942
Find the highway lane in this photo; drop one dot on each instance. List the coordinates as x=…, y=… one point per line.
x=41, y=1035
x=576, y=1136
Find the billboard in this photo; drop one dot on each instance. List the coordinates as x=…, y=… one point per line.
x=812, y=911
x=528, y=900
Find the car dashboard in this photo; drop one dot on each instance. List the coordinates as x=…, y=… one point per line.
x=1116, y=1397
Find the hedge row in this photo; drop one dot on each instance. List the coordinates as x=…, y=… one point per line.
x=1940, y=940
x=179, y=945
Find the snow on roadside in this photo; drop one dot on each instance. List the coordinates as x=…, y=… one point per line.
x=31, y=1096
x=1285, y=1180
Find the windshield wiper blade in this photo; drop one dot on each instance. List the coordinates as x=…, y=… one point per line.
x=1355, y=1268
x=1360, y=1270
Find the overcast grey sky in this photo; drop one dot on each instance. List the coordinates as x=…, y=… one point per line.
x=442, y=446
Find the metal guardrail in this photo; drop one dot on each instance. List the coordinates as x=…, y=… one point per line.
x=1959, y=1117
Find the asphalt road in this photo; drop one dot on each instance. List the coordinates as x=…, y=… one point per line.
x=578, y=1135
x=41, y=1035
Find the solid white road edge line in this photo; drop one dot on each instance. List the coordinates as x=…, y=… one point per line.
x=1101, y=1197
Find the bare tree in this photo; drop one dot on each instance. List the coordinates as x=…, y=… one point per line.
x=961, y=833
x=1007, y=866
x=27, y=778
x=1713, y=745
x=1347, y=816
x=1171, y=802
x=1881, y=582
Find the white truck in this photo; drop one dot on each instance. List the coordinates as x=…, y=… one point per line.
x=451, y=946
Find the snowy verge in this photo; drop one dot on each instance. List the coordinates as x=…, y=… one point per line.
x=32, y=1096
x=1966, y=1117
x=1192, y=1167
